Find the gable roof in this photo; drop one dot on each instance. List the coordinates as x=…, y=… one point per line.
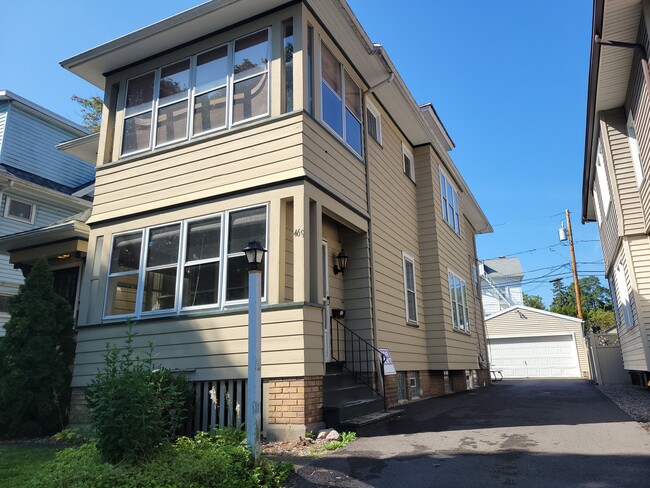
x=532, y=310
x=502, y=267
x=35, y=179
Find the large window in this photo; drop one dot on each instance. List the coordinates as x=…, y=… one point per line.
x=634, y=149
x=450, y=210
x=409, y=289
x=341, y=101
x=17, y=210
x=219, y=88
x=179, y=266
x=459, y=307
x=623, y=304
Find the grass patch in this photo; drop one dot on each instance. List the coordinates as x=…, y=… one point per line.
x=346, y=438
x=18, y=463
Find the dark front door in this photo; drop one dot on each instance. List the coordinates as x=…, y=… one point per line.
x=65, y=284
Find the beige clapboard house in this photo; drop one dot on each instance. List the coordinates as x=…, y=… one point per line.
x=616, y=187
x=280, y=122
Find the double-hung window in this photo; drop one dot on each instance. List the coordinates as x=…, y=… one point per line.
x=373, y=122
x=407, y=159
x=450, y=210
x=18, y=210
x=623, y=294
x=459, y=307
x=634, y=149
x=179, y=266
x=212, y=90
x=409, y=289
x=601, y=177
x=341, y=101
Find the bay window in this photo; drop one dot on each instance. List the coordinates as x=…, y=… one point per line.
x=180, y=267
x=220, y=87
x=341, y=101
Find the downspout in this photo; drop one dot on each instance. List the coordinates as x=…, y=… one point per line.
x=373, y=301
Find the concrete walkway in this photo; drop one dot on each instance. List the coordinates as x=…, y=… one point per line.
x=536, y=433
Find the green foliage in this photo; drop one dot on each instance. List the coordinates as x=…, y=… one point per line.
x=134, y=407
x=91, y=111
x=534, y=301
x=208, y=460
x=346, y=438
x=596, y=303
x=36, y=357
x=78, y=435
x=18, y=463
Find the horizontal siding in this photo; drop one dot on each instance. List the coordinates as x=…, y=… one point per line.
x=330, y=163
x=259, y=155
x=3, y=121
x=511, y=324
x=395, y=230
x=213, y=348
x=608, y=233
x=29, y=144
x=640, y=255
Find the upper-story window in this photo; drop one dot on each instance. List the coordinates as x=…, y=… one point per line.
x=341, y=101
x=409, y=289
x=623, y=295
x=459, y=305
x=409, y=165
x=181, y=266
x=18, y=210
x=634, y=149
x=601, y=176
x=220, y=88
x=373, y=121
x=450, y=210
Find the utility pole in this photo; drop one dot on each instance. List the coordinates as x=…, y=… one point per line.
x=573, y=265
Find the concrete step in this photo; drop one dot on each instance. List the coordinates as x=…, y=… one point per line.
x=334, y=381
x=333, y=397
x=365, y=422
x=335, y=416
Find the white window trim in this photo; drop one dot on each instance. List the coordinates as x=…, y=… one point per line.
x=408, y=258
x=409, y=154
x=370, y=107
x=464, y=325
x=601, y=176
x=178, y=309
x=341, y=138
x=32, y=214
x=634, y=150
x=448, y=208
x=599, y=217
x=191, y=95
x=623, y=294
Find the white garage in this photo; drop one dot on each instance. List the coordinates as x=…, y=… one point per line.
x=525, y=342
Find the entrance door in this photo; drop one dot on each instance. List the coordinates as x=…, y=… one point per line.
x=66, y=281
x=327, y=322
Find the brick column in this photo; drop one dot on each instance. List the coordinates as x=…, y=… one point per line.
x=293, y=406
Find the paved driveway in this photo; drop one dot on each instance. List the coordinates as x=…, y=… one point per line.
x=546, y=433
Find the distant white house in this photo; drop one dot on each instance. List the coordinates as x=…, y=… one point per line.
x=500, y=284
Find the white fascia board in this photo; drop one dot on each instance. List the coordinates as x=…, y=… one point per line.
x=84, y=148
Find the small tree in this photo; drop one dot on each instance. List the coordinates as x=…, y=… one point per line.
x=36, y=357
x=534, y=301
x=91, y=111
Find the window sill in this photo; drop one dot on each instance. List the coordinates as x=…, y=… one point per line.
x=413, y=324
x=460, y=331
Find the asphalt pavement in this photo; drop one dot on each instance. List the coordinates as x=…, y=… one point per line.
x=534, y=433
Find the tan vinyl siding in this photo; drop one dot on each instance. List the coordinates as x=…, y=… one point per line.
x=624, y=188
x=609, y=238
x=511, y=324
x=214, y=347
x=288, y=263
x=395, y=230
x=260, y=155
x=630, y=336
x=639, y=253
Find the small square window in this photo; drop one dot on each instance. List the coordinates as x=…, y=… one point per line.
x=4, y=304
x=409, y=165
x=414, y=384
x=18, y=210
x=374, y=122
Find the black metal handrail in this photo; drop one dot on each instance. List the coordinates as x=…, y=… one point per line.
x=359, y=357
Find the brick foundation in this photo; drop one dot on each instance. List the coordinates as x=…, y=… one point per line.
x=458, y=380
x=292, y=406
x=391, y=390
x=484, y=377
x=432, y=383
x=78, y=414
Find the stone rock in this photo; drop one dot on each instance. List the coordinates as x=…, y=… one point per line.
x=322, y=434
x=333, y=436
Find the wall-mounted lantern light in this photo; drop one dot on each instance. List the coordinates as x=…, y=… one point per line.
x=341, y=262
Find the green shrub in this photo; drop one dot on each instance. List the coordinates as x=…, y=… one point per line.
x=346, y=438
x=36, y=357
x=208, y=460
x=135, y=408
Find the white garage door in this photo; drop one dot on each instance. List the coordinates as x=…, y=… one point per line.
x=535, y=357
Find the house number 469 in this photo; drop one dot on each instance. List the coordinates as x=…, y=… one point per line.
x=299, y=233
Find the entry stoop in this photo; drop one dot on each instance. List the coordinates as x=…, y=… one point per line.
x=348, y=404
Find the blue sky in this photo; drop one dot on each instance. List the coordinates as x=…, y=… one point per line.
x=508, y=79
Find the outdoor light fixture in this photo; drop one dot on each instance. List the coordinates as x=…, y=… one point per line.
x=63, y=256
x=254, y=255
x=341, y=262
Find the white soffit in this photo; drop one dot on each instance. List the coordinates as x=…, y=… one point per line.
x=620, y=23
